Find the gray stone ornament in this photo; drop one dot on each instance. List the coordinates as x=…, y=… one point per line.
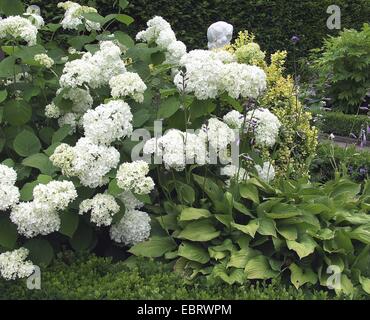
x=219, y=34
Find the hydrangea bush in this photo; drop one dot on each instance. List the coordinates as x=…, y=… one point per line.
x=109, y=144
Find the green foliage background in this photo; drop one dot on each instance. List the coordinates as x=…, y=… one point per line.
x=273, y=21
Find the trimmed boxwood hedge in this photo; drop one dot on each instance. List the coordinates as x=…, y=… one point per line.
x=341, y=124
x=273, y=21
x=91, y=277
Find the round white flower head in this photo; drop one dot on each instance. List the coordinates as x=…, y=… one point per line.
x=94, y=70
x=219, y=134
x=131, y=176
x=73, y=16
x=56, y=194
x=128, y=84
x=88, y=161
x=81, y=99
x=8, y=176
x=241, y=80
x=34, y=219
x=102, y=206
x=13, y=264
x=133, y=228
x=9, y=196
x=231, y=171
x=18, y=28
x=234, y=119
x=33, y=13
x=44, y=60
x=266, y=172
x=155, y=26
x=130, y=201
x=175, y=51
x=69, y=118
x=266, y=126
x=165, y=38
x=52, y=111
x=108, y=122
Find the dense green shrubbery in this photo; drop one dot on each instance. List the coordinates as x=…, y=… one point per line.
x=273, y=21
x=340, y=124
x=91, y=277
x=344, y=68
x=331, y=158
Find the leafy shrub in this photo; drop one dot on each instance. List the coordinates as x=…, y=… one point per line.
x=345, y=68
x=341, y=124
x=91, y=277
x=331, y=158
x=254, y=231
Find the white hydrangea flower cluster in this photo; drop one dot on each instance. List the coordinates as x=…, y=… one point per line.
x=81, y=99
x=52, y=111
x=73, y=16
x=234, y=119
x=130, y=201
x=18, y=27
x=131, y=176
x=71, y=119
x=219, y=134
x=177, y=149
x=133, y=228
x=231, y=171
x=86, y=160
x=160, y=32
x=128, y=84
x=57, y=194
x=9, y=193
x=13, y=264
x=266, y=126
x=40, y=216
x=209, y=73
x=102, y=207
x=94, y=70
x=33, y=13
x=44, y=60
x=108, y=122
x=266, y=172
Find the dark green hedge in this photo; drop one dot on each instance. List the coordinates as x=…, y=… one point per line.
x=341, y=124
x=99, y=278
x=273, y=21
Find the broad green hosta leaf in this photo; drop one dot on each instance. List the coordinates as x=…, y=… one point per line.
x=194, y=214
x=250, y=229
x=259, y=268
x=267, y=227
x=300, y=276
x=201, y=230
x=41, y=252
x=345, y=187
x=225, y=219
x=185, y=193
x=243, y=209
x=221, y=251
x=283, y=211
x=304, y=247
x=340, y=244
x=193, y=252
x=229, y=276
x=321, y=234
x=239, y=259
x=249, y=191
x=154, y=247
x=346, y=286
x=289, y=232
x=361, y=233
x=8, y=232
x=26, y=143
x=365, y=284
x=3, y=95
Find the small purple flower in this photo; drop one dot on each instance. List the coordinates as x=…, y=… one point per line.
x=368, y=129
x=295, y=39
x=363, y=171
x=350, y=170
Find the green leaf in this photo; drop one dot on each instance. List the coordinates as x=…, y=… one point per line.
x=365, y=284
x=289, y=232
x=123, y=4
x=26, y=143
x=27, y=191
x=154, y=247
x=82, y=238
x=249, y=191
x=124, y=39
x=267, y=227
x=8, y=232
x=61, y=134
x=300, y=276
x=17, y=112
x=193, y=252
x=40, y=161
x=234, y=276
x=283, y=211
x=113, y=188
x=94, y=17
x=250, y=228
x=239, y=259
x=258, y=267
x=11, y=8
x=168, y=107
x=69, y=223
x=3, y=95
x=242, y=208
x=361, y=233
x=125, y=19
x=194, y=214
x=41, y=252
x=185, y=193
x=201, y=108
x=201, y=230
x=304, y=248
